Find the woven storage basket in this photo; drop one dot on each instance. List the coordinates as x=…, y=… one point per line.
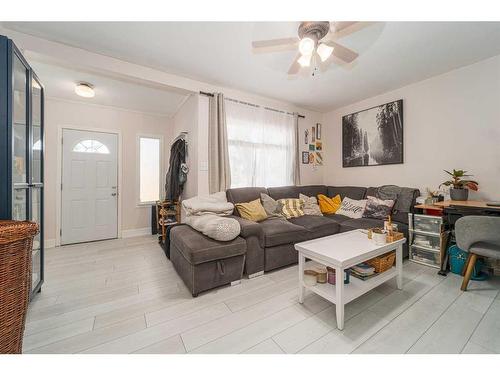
x=16, y=241
x=383, y=262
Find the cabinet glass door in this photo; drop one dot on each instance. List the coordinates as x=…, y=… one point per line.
x=37, y=131
x=20, y=122
x=20, y=204
x=36, y=216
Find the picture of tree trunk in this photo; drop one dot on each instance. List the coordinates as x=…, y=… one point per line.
x=373, y=136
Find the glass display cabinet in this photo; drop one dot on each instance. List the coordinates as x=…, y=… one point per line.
x=21, y=147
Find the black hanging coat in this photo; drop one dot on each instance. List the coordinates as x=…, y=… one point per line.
x=176, y=175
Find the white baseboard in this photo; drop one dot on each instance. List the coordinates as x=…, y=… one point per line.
x=49, y=243
x=136, y=232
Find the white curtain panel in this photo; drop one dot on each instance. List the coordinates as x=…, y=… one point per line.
x=296, y=167
x=262, y=146
x=219, y=173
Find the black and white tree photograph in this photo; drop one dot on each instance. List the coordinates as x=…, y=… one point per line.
x=373, y=136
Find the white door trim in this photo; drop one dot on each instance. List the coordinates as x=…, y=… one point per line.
x=59, y=174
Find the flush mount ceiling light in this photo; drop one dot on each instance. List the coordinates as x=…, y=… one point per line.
x=85, y=90
x=314, y=38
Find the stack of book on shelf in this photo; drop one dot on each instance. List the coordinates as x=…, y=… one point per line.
x=363, y=271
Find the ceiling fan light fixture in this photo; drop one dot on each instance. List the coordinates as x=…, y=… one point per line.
x=304, y=60
x=324, y=52
x=85, y=90
x=306, y=46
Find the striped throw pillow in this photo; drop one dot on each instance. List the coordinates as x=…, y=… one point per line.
x=292, y=207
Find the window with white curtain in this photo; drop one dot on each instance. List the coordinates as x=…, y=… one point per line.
x=261, y=145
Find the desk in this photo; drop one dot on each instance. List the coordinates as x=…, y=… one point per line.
x=454, y=210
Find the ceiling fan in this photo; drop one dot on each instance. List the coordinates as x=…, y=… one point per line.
x=315, y=40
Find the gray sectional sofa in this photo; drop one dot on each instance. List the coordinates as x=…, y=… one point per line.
x=270, y=243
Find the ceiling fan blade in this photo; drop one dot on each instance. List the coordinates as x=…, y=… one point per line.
x=340, y=25
x=342, y=29
x=295, y=67
x=343, y=53
x=274, y=45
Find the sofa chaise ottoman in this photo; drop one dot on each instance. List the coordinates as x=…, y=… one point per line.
x=204, y=263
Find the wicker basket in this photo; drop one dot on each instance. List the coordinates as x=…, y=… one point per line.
x=16, y=241
x=383, y=262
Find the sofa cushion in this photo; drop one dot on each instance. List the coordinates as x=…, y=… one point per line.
x=377, y=208
x=253, y=211
x=272, y=206
x=363, y=223
x=283, y=192
x=353, y=192
x=352, y=208
x=312, y=190
x=318, y=226
x=404, y=199
x=279, y=232
x=337, y=218
x=246, y=194
x=311, y=206
x=292, y=207
x=197, y=248
x=329, y=205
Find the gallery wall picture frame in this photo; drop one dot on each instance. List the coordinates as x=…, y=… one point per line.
x=319, y=146
x=319, y=158
x=311, y=158
x=306, y=136
x=313, y=134
x=373, y=136
x=305, y=157
x=312, y=147
x=318, y=131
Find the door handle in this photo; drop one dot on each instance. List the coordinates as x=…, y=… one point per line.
x=113, y=194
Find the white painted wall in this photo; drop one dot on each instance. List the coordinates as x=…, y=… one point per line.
x=60, y=113
x=450, y=121
x=186, y=119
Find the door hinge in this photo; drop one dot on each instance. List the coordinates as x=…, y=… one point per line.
x=60, y=232
x=61, y=186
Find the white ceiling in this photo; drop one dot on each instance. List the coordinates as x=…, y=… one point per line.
x=60, y=82
x=392, y=54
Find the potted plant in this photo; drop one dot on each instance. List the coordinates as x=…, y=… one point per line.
x=459, y=187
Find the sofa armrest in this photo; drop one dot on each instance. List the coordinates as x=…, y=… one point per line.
x=249, y=228
x=254, y=236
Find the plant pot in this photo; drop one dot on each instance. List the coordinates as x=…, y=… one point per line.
x=459, y=194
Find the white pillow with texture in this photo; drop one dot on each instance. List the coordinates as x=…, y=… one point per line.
x=352, y=208
x=311, y=206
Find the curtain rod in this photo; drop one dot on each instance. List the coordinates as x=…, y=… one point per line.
x=253, y=105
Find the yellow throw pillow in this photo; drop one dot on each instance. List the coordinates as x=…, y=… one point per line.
x=329, y=205
x=253, y=210
x=292, y=207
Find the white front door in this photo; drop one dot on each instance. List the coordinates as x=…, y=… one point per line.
x=89, y=186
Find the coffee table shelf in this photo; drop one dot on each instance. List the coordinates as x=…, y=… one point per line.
x=354, y=289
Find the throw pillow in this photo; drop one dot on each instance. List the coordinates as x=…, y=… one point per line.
x=310, y=205
x=292, y=207
x=329, y=205
x=352, y=208
x=378, y=208
x=271, y=206
x=252, y=210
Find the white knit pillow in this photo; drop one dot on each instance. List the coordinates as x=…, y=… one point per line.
x=352, y=208
x=311, y=206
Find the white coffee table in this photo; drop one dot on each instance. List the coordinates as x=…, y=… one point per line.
x=342, y=251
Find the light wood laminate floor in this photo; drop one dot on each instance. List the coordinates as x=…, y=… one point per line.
x=123, y=296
